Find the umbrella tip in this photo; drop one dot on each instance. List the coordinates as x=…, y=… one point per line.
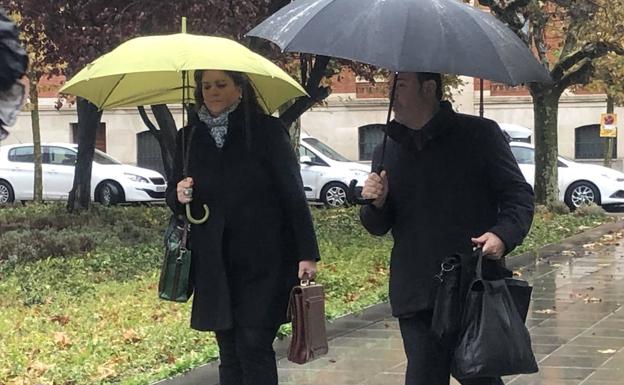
x=183, y=24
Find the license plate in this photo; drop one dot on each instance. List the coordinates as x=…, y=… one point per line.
x=160, y=188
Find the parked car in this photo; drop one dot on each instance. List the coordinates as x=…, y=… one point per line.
x=516, y=132
x=326, y=174
x=578, y=183
x=111, y=181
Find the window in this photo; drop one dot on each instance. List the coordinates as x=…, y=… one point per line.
x=100, y=136
x=313, y=157
x=325, y=149
x=22, y=154
x=59, y=156
x=589, y=145
x=523, y=155
x=370, y=136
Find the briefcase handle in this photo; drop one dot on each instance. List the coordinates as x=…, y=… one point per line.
x=305, y=281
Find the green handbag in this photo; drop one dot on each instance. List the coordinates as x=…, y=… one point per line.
x=175, y=283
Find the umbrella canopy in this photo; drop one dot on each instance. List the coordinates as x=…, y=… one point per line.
x=149, y=70
x=443, y=36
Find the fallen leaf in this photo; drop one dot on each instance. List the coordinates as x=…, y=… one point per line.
x=568, y=253
x=592, y=300
x=589, y=245
x=131, y=336
x=61, y=319
x=62, y=340
x=607, y=351
x=604, y=264
x=545, y=311
x=171, y=359
x=105, y=371
x=39, y=368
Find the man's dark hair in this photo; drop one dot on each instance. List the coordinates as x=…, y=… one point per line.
x=424, y=76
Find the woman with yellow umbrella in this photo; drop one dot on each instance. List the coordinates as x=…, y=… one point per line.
x=259, y=236
x=234, y=159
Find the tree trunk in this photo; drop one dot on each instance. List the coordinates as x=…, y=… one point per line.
x=545, y=107
x=36, y=133
x=88, y=122
x=167, y=137
x=609, y=141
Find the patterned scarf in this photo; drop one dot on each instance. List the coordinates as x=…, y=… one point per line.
x=218, y=125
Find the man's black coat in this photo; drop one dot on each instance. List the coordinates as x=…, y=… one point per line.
x=246, y=256
x=450, y=181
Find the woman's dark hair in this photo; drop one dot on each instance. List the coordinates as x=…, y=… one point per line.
x=249, y=100
x=241, y=80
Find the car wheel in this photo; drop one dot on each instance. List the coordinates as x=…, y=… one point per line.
x=582, y=193
x=107, y=193
x=334, y=194
x=6, y=192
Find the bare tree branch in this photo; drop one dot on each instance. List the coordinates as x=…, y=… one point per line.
x=590, y=51
x=581, y=75
x=316, y=92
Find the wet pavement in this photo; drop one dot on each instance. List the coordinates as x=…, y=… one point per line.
x=576, y=321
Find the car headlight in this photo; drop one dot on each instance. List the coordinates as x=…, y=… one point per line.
x=136, y=178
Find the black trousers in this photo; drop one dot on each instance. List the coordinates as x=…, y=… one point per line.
x=428, y=361
x=247, y=356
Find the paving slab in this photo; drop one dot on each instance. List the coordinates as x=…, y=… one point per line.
x=576, y=321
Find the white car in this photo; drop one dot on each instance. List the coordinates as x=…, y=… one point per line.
x=326, y=174
x=578, y=183
x=111, y=181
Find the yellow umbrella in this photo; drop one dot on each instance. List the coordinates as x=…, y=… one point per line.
x=152, y=70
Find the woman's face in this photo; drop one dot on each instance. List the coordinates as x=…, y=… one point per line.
x=219, y=91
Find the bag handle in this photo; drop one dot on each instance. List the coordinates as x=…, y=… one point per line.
x=479, y=251
x=306, y=281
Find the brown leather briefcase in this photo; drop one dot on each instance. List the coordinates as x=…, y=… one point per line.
x=306, y=310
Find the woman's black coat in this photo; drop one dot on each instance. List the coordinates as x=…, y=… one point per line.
x=245, y=257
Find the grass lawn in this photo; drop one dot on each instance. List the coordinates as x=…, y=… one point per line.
x=78, y=301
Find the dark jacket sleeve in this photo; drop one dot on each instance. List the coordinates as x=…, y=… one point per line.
x=287, y=174
x=171, y=195
x=514, y=195
x=377, y=221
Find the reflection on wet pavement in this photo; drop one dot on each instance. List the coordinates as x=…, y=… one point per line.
x=576, y=322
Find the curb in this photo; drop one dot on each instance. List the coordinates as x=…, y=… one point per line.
x=208, y=374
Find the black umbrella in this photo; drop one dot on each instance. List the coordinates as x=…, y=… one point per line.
x=442, y=36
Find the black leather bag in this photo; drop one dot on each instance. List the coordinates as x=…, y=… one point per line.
x=453, y=281
x=175, y=281
x=447, y=306
x=493, y=339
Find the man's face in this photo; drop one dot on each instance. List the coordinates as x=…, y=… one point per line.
x=409, y=95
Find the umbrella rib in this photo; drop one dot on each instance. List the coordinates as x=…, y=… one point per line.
x=113, y=90
x=259, y=94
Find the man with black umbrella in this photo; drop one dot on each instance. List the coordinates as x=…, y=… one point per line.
x=449, y=182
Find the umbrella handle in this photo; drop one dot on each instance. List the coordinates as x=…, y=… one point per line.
x=352, y=196
x=194, y=221
x=358, y=200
